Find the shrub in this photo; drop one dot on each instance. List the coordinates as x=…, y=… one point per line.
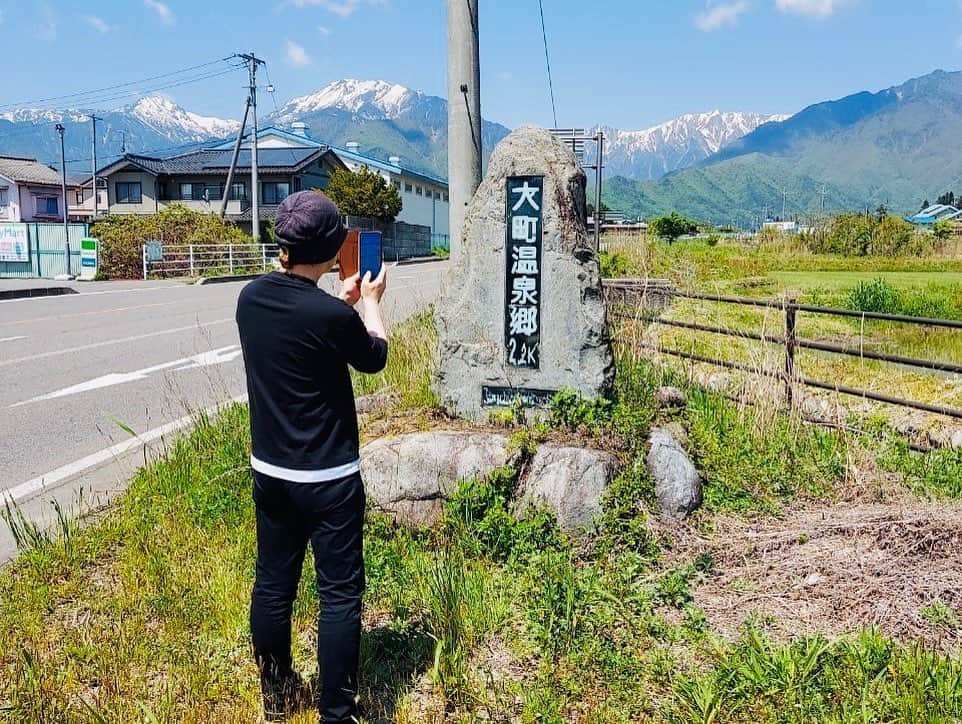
x=874, y=296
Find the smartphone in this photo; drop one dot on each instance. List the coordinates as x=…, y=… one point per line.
x=372, y=253
x=347, y=258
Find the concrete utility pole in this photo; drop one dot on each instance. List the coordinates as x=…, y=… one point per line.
x=464, y=114
x=93, y=121
x=233, y=160
x=600, y=140
x=63, y=189
x=252, y=62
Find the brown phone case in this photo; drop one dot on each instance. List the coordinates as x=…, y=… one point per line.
x=349, y=257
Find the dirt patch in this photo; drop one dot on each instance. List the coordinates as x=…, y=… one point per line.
x=836, y=570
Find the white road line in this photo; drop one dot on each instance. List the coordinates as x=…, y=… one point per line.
x=13, y=339
x=43, y=482
x=93, y=294
x=108, y=342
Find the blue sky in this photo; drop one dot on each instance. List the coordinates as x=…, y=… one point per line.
x=632, y=64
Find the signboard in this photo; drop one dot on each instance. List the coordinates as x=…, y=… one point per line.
x=154, y=251
x=88, y=258
x=522, y=309
x=14, y=243
x=507, y=396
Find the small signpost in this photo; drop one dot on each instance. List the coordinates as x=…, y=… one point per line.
x=88, y=259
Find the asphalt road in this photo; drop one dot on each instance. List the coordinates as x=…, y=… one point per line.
x=79, y=369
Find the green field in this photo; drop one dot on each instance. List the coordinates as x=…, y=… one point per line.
x=844, y=280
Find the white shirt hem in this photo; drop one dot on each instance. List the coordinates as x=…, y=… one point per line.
x=306, y=476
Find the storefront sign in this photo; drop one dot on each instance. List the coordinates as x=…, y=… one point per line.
x=14, y=243
x=522, y=312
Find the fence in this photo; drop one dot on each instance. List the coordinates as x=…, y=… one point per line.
x=626, y=293
x=40, y=250
x=193, y=260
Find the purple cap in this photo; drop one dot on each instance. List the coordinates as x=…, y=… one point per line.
x=309, y=222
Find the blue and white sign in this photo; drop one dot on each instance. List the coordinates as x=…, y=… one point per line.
x=14, y=243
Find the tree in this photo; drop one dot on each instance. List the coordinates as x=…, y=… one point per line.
x=363, y=193
x=942, y=229
x=947, y=199
x=672, y=226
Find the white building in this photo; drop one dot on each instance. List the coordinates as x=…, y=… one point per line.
x=424, y=198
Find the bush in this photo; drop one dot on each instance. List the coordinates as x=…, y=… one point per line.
x=122, y=236
x=868, y=235
x=874, y=296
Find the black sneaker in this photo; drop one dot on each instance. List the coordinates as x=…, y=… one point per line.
x=283, y=695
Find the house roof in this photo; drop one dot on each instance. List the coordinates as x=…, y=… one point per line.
x=28, y=170
x=353, y=156
x=936, y=212
x=216, y=162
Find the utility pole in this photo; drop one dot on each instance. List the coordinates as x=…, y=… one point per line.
x=464, y=114
x=63, y=189
x=93, y=127
x=252, y=62
x=599, y=164
x=233, y=160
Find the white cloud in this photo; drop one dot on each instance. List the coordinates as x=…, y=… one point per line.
x=97, y=23
x=719, y=15
x=344, y=8
x=296, y=55
x=323, y=31
x=163, y=11
x=47, y=27
x=812, y=8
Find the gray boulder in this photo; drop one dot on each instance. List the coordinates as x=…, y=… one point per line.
x=410, y=476
x=570, y=482
x=575, y=347
x=671, y=397
x=678, y=484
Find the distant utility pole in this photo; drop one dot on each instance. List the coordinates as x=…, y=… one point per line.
x=784, y=202
x=464, y=114
x=63, y=189
x=599, y=165
x=93, y=128
x=252, y=62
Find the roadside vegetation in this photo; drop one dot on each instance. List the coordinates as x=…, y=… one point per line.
x=820, y=581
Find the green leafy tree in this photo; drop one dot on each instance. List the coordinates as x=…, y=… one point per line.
x=947, y=199
x=942, y=229
x=925, y=205
x=363, y=193
x=672, y=226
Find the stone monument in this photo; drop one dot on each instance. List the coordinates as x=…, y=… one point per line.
x=521, y=313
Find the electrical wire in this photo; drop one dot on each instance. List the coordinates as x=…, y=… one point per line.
x=544, y=35
x=107, y=89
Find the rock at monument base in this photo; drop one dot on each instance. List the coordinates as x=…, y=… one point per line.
x=410, y=476
x=568, y=481
x=574, y=348
x=671, y=397
x=678, y=485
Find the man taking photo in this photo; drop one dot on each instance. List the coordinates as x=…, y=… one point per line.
x=298, y=343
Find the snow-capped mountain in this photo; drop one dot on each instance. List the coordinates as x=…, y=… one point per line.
x=677, y=144
x=368, y=98
x=169, y=119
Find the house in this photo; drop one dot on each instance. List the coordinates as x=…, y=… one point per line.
x=138, y=184
x=30, y=191
x=424, y=198
x=934, y=213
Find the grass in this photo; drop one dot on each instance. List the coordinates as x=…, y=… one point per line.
x=141, y=615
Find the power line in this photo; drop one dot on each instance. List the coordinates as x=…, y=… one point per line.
x=544, y=35
x=116, y=86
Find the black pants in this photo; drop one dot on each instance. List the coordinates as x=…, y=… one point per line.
x=331, y=516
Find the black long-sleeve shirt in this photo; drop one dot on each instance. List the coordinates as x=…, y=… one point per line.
x=298, y=342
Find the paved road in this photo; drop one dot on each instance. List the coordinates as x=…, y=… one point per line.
x=76, y=368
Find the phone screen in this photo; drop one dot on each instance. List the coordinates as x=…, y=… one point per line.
x=371, y=253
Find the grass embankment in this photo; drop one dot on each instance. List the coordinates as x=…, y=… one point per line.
x=914, y=286
x=142, y=615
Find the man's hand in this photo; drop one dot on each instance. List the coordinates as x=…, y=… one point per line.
x=351, y=289
x=373, y=289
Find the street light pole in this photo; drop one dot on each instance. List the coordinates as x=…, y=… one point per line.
x=63, y=188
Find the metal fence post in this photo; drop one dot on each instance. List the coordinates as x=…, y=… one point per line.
x=790, y=345
x=264, y=257
x=230, y=257
x=143, y=250
x=190, y=250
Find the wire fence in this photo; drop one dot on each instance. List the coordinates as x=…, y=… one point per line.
x=632, y=299
x=199, y=260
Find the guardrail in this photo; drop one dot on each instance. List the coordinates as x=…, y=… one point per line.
x=194, y=260
x=633, y=292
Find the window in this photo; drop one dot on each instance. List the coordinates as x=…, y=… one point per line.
x=396, y=184
x=3, y=196
x=297, y=183
x=445, y=197
x=275, y=191
x=128, y=192
x=47, y=206
x=238, y=191
x=419, y=191
x=407, y=188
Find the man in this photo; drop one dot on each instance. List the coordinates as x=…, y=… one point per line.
x=298, y=344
